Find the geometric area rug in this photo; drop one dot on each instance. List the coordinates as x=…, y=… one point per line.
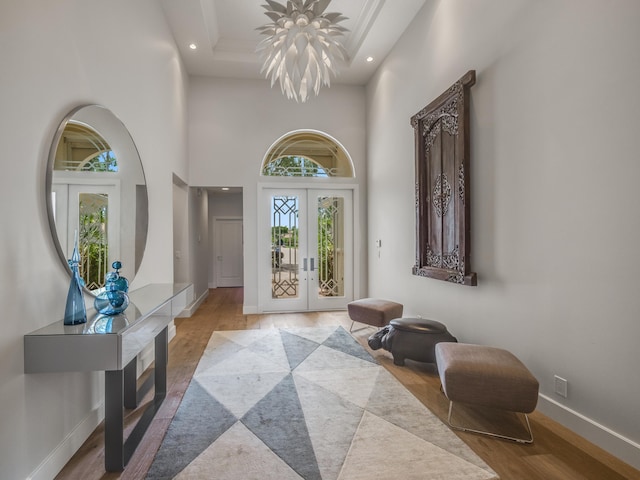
x=305, y=403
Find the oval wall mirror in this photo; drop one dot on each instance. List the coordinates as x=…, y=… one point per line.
x=95, y=186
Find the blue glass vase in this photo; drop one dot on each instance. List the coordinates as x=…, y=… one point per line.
x=75, y=312
x=111, y=301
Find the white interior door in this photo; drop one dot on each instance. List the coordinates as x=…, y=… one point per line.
x=306, y=249
x=229, y=243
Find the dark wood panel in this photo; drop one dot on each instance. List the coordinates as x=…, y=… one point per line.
x=442, y=146
x=450, y=212
x=433, y=201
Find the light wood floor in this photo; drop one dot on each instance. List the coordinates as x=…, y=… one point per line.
x=557, y=454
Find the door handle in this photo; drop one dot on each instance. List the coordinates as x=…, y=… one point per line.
x=312, y=264
x=304, y=264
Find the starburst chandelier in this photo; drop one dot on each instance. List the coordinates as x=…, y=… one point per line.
x=301, y=50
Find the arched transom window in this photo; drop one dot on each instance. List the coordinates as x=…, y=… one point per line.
x=307, y=154
x=82, y=149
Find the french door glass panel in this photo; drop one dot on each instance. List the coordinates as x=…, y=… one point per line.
x=94, y=212
x=331, y=228
x=285, y=246
x=287, y=208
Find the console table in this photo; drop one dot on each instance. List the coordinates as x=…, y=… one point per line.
x=112, y=344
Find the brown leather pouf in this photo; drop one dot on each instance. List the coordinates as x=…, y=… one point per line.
x=374, y=311
x=486, y=376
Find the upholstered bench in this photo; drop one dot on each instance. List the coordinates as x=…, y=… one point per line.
x=486, y=376
x=413, y=339
x=373, y=311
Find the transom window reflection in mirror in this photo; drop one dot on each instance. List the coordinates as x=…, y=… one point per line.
x=307, y=154
x=81, y=148
x=96, y=186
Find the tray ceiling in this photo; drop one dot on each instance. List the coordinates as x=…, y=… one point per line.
x=226, y=36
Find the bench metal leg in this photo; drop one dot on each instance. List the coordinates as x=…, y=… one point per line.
x=351, y=330
x=491, y=434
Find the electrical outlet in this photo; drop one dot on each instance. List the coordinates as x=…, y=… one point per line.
x=561, y=386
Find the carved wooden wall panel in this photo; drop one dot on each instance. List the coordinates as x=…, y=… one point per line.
x=442, y=145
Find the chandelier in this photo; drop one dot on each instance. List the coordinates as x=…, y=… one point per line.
x=301, y=50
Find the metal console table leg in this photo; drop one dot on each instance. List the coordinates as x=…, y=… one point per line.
x=113, y=420
x=120, y=392
x=161, y=359
x=130, y=387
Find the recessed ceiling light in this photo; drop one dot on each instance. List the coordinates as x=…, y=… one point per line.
x=193, y=46
x=225, y=188
x=369, y=59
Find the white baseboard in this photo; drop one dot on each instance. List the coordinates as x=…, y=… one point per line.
x=58, y=458
x=145, y=358
x=624, y=448
x=191, y=309
x=171, y=332
x=249, y=310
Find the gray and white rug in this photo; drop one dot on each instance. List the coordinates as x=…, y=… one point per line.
x=305, y=403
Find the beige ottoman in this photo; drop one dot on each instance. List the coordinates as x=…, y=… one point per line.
x=373, y=311
x=486, y=376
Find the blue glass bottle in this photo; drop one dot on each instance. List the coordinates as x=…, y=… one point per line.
x=111, y=301
x=75, y=312
x=122, y=283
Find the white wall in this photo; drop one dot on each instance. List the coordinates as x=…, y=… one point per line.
x=554, y=168
x=181, y=234
x=55, y=56
x=225, y=205
x=232, y=124
x=199, y=241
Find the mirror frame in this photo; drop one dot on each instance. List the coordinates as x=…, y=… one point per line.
x=49, y=183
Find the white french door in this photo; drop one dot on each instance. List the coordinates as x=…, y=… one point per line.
x=306, y=245
x=93, y=211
